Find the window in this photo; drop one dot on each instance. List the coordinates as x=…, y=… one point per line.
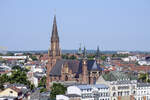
x=113, y=88
x=11, y=91
x=114, y=94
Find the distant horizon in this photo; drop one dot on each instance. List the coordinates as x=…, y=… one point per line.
x=111, y=24
x=82, y=50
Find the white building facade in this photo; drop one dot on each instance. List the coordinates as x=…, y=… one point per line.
x=90, y=92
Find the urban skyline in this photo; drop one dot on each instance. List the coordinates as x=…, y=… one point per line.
x=74, y=50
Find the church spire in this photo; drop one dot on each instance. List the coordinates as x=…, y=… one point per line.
x=97, y=53
x=54, y=36
x=84, y=53
x=55, y=49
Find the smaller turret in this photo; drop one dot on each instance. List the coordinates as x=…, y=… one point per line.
x=98, y=55
x=84, y=53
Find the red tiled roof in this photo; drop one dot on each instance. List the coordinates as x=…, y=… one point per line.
x=140, y=68
x=15, y=89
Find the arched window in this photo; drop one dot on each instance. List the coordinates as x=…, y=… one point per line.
x=66, y=78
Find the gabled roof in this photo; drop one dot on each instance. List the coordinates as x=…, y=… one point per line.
x=91, y=65
x=116, y=75
x=95, y=67
x=75, y=66
x=72, y=64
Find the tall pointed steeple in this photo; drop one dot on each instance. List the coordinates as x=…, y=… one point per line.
x=98, y=53
x=55, y=49
x=84, y=53
x=80, y=49
x=54, y=36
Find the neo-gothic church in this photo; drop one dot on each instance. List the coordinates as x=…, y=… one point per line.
x=81, y=71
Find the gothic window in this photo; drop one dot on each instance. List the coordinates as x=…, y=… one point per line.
x=66, y=78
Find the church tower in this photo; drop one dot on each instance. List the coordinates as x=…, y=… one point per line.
x=54, y=53
x=98, y=57
x=84, y=68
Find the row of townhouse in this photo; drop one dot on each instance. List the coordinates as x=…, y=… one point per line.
x=111, y=86
x=86, y=92
x=129, y=91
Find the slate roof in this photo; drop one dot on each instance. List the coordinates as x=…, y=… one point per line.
x=91, y=66
x=56, y=70
x=72, y=64
x=95, y=66
x=83, y=87
x=75, y=66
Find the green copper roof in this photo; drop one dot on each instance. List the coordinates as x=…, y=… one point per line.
x=116, y=76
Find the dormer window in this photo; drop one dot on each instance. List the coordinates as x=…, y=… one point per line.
x=11, y=91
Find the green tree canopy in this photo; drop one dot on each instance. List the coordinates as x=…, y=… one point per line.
x=57, y=89
x=73, y=57
x=17, y=76
x=103, y=57
x=3, y=78
x=42, y=82
x=33, y=58
x=10, y=54
x=143, y=77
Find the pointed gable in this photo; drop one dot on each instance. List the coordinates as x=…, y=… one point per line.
x=95, y=67
x=91, y=66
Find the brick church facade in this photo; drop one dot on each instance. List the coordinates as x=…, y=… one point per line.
x=82, y=71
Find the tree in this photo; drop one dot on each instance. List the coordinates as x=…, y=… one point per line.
x=20, y=76
x=10, y=54
x=73, y=57
x=16, y=67
x=143, y=77
x=43, y=90
x=17, y=76
x=57, y=89
x=1, y=86
x=42, y=82
x=120, y=55
x=3, y=78
x=1, y=54
x=90, y=57
x=33, y=58
x=103, y=57
x=65, y=56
